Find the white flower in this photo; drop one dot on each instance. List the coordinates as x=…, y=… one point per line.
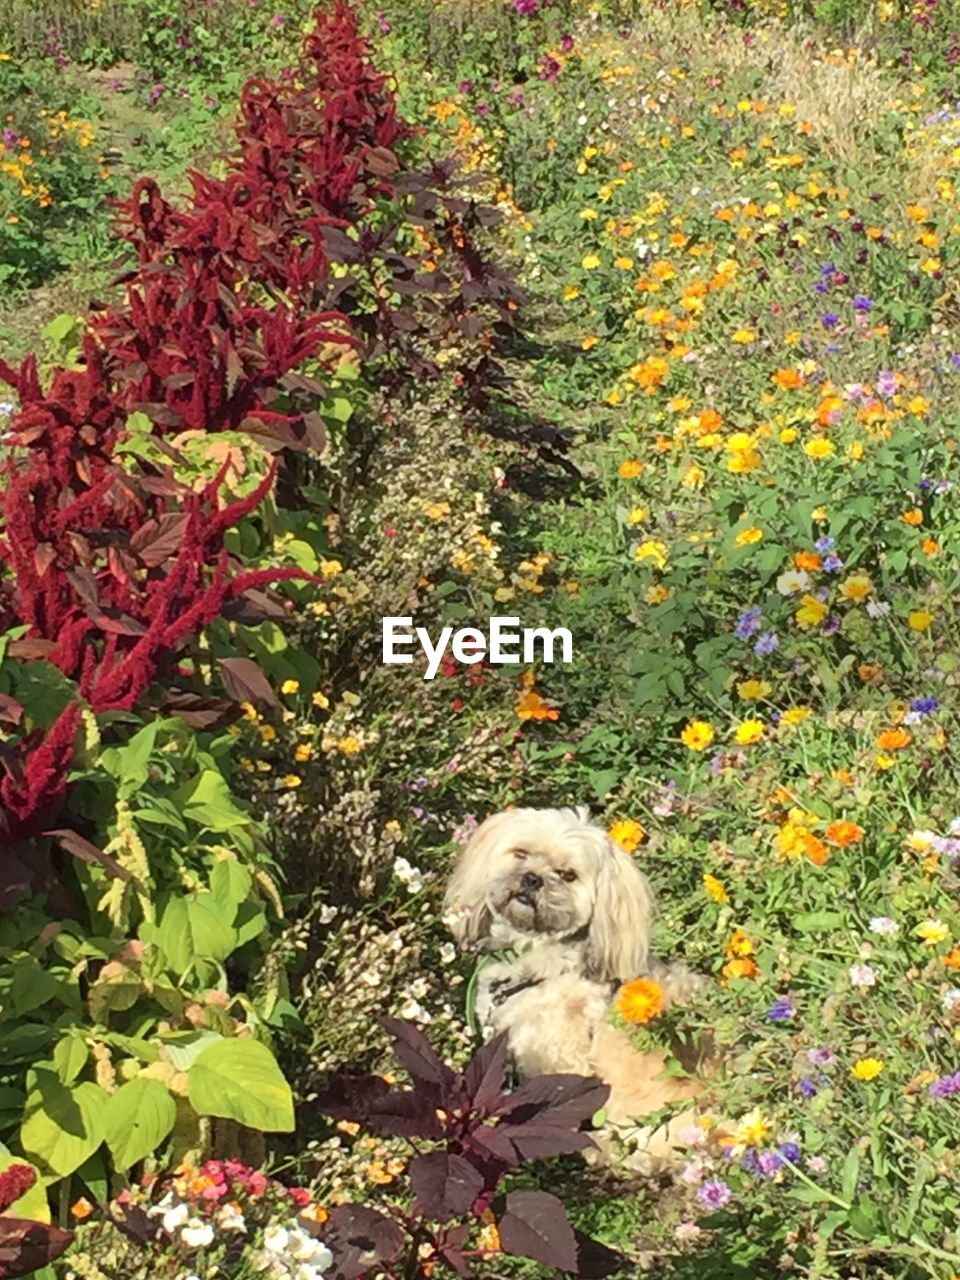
x=693, y=1171
x=231, y=1219
x=197, y=1234
x=327, y=914
x=878, y=608
x=686, y=1231
x=303, y=1247
x=792, y=581
x=276, y=1239
x=448, y=953
x=862, y=975
x=172, y=1211
x=951, y=999
x=883, y=924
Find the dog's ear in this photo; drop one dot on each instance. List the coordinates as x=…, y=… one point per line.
x=465, y=901
x=618, y=942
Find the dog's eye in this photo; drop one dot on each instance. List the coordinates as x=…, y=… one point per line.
x=520, y=853
x=567, y=875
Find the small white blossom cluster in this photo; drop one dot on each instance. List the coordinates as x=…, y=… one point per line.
x=287, y=1252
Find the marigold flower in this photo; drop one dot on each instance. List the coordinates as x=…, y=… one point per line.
x=932, y=932
x=640, y=1001
x=819, y=448
x=795, y=715
x=530, y=706
x=857, y=587
x=748, y=732
x=952, y=958
x=697, y=735
x=920, y=620
x=290, y=686
x=811, y=612
x=630, y=469
x=894, y=739
x=913, y=517
x=867, y=1068
x=748, y=537
x=628, y=834
x=81, y=1209
x=843, y=833
x=751, y=690
x=745, y=968
x=714, y=888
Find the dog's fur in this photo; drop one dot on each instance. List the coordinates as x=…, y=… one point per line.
x=553, y=888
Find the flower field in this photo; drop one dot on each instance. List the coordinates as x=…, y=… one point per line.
x=638, y=320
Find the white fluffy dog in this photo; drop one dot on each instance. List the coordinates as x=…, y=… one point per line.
x=574, y=912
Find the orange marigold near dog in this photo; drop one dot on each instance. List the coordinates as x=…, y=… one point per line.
x=640, y=1001
x=842, y=834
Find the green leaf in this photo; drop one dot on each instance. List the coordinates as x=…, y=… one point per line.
x=33, y=986
x=817, y=921
x=208, y=802
x=70, y=1057
x=62, y=1125
x=137, y=1119
x=849, y=1174
x=191, y=929
x=240, y=1080
x=183, y=1048
x=230, y=885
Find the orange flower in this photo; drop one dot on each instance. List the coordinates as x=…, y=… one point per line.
x=640, y=1001
x=843, y=833
x=952, y=958
x=630, y=469
x=894, y=740
x=81, y=1209
x=530, y=706
x=628, y=834
x=741, y=968
x=808, y=560
x=870, y=671
x=830, y=410
x=914, y=516
x=814, y=848
x=789, y=379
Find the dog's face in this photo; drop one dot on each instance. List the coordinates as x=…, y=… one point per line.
x=552, y=875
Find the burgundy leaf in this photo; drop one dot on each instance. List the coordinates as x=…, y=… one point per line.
x=200, y=711
x=159, y=540
x=361, y=1240
x=445, y=1184
x=415, y=1052
x=559, y=1099
x=485, y=1074
x=244, y=680
x=595, y=1260
x=535, y=1141
x=31, y=649
x=533, y=1224
x=408, y=1113
x=494, y=1144
x=75, y=844
x=450, y=1242
x=11, y=712
x=26, y=1246
x=135, y=1223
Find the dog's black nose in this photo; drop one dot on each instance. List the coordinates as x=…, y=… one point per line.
x=531, y=881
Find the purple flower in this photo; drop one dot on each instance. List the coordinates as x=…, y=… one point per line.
x=825, y=544
x=714, y=1194
x=566, y=44
x=790, y=1151
x=955, y=361
x=782, y=1009
x=831, y=626
x=925, y=706
x=465, y=86
x=526, y=8
x=549, y=68
x=820, y=1057
x=828, y=270
x=833, y=564
x=862, y=303
x=769, y=1163
x=946, y=1086
x=766, y=644
x=886, y=383
x=829, y=319
x=808, y=1087
x=821, y=287
x=748, y=623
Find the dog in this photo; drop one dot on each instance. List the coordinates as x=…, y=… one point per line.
x=574, y=911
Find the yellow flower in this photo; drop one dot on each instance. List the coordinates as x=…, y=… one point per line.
x=931, y=932
x=867, y=1068
x=751, y=690
x=795, y=715
x=640, y=1001
x=437, y=510
x=590, y=262
x=630, y=469
x=820, y=447
x=748, y=732
x=330, y=568
x=920, y=620
x=714, y=888
x=570, y=292
x=589, y=342
x=652, y=550
x=749, y=536
x=751, y=1131
x=857, y=587
x=636, y=515
x=811, y=612
x=697, y=735
x=291, y=780
x=349, y=746
x=303, y=752
x=290, y=686
x=744, y=337
x=320, y=700
x=628, y=834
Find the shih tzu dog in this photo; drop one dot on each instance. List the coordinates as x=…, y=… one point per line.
x=574, y=913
